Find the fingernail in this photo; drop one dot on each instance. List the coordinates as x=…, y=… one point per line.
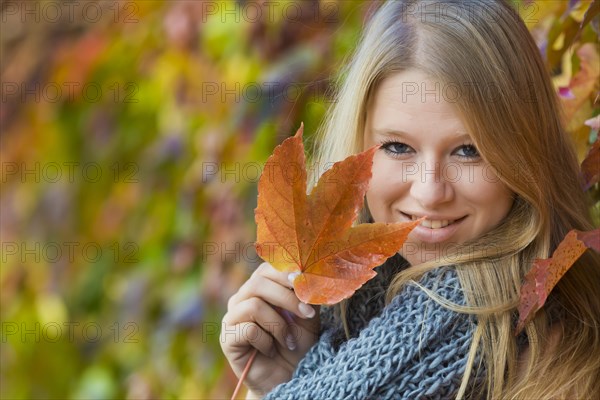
x=306, y=310
x=290, y=341
x=293, y=276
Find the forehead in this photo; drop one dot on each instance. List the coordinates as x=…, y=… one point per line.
x=409, y=101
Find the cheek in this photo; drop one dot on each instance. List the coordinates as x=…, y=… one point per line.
x=493, y=200
x=385, y=189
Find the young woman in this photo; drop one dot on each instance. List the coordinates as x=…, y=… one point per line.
x=458, y=97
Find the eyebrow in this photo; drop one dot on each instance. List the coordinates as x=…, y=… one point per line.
x=395, y=132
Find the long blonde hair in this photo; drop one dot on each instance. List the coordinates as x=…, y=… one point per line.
x=484, y=55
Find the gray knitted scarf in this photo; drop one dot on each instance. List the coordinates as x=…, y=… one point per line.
x=413, y=348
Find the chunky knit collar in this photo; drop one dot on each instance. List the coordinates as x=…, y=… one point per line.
x=413, y=348
x=365, y=304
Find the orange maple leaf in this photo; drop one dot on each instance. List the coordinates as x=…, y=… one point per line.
x=313, y=235
x=545, y=273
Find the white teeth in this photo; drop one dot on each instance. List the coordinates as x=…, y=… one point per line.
x=433, y=224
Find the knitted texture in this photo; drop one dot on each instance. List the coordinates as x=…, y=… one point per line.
x=412, y=348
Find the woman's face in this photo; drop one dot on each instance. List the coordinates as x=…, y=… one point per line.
x=427, y=165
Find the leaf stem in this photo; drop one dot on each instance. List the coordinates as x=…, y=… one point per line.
x=244, y=373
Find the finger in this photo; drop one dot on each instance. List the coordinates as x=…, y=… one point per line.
x=303, y=310
x=247, y=334
x=275, y=294
x=258, y=311
x=267, y=270
x=264, y=270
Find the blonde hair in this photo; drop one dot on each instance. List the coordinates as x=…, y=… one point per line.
x=503, y=92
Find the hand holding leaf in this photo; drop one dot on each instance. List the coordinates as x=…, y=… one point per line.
x=312, y=236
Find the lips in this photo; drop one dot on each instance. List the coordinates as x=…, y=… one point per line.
x=435, y=228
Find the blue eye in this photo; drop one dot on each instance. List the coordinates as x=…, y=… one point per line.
x=396, y=148
x=467, y=151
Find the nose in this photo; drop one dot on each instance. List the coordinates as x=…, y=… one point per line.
x=430, y=187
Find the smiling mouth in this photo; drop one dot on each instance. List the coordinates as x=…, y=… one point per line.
x=434, y=223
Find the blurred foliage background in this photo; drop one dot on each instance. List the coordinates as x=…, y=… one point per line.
x=132, y=137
